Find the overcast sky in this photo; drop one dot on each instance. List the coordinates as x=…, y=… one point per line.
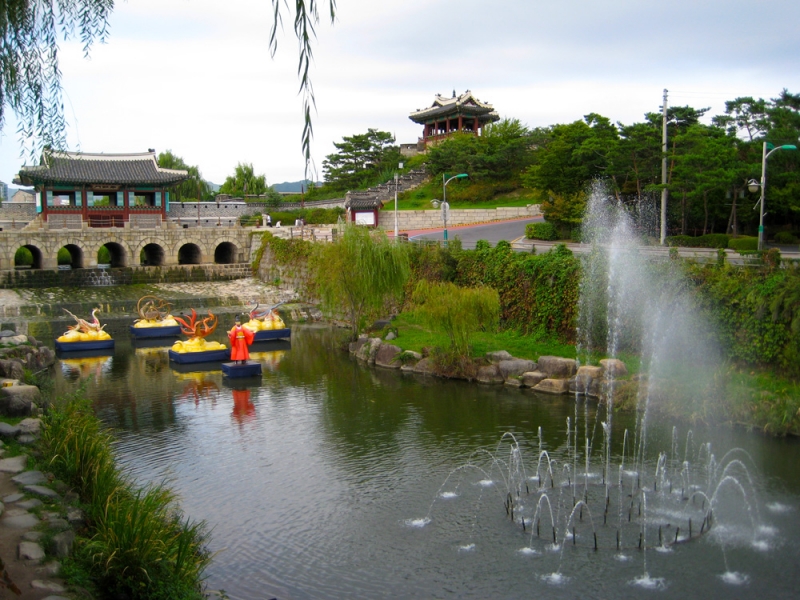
x=195, y=76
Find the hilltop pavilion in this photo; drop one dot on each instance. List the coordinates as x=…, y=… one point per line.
x=449, y=115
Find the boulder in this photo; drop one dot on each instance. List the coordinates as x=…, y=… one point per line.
x=369, y=349
x=583, y=379
x=552, y=386
x=613, y=367
x=75, y=517
x=15, y=464
x=497, y=356
x=513, y=382
x=7, y=333
x=20, y=520
x=387, y=356
x=390, y=336
x=29, y=478
x=31, y=426
x=15, y=340
x=424, y=366
x=40, y=490
x=18, y=400
x=556, y=367
x=532, y=378
x=515, y=367
x=11, y=369
x=356, y=346
x=50, y=586
x=489, y=374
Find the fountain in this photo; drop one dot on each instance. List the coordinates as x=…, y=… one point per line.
x=99, y=277
x=635, y=496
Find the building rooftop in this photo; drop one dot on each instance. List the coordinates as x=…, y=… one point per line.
x=110, y=169
x=465, y=104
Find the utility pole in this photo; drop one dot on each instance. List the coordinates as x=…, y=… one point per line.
x=664, y=171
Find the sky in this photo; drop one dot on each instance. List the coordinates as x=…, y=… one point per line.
x=196, y=76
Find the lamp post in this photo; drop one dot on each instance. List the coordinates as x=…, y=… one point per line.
x=396, y=227
x=753, y=185
x=445, y=205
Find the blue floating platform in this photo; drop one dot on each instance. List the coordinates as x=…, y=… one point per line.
x=83, y=346
x=272, y=334
x=199, y=357
x=155, y=332
x=249, y=369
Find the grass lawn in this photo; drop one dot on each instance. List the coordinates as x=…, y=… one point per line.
x=420, y=199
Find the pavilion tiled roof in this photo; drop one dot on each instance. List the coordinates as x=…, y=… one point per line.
x=465, y=104
x=362, y=201
x=108, y=169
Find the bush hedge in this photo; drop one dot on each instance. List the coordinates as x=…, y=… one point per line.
x=541, y=231
x=744, y=244
x=785, y=237
x=709, y=240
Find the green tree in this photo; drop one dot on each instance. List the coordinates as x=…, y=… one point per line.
x=30, y=79
x=359, y=275
x=361, y=160
x=193, y=188
x=244, y=181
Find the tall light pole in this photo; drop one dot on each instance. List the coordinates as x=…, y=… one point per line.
x=445, y=205
x=767, y=151
x=396, y=227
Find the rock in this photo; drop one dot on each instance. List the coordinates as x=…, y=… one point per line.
x=30, y=503
x=407, y=368
x=32, y=536
x=387, y=356
x=15, y=340
x=583, y=379
x=613, y=367
x=532, y=378
x=30, y=551
x=75, y=517
x=11, y=498
x=16, y=401
x=7, y=333
x=8, y=431
x=26, y=439
x=59, y=486
x=31, y=426
x=71, y=497
x=424, y=366
x=356, y=346
x=61, y=544
x=50, y=586
x=52, y=569
x=489, y=374
x=552, y=386
x=515, y=367
x=390, y=336
x=55, y=598
x=555, y=367
x=29, y=478
x=22, y=520
x=497, y=356
x=513, y=382
x=40, y=490
x=12, y=369
x=57, y=524
x=368, y=350
x=2, y=509
x=15, y=464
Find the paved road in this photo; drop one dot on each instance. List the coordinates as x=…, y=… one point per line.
x=469, y=234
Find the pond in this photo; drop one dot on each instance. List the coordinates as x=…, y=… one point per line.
x=331, y=479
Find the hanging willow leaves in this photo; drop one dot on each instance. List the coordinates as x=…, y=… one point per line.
x=30, y=79
x=306, y=17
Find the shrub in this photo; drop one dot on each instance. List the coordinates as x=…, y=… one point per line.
x=710, y=240
x=785, y=237
x=23, y=257
x=744, y=244
x=541, y=231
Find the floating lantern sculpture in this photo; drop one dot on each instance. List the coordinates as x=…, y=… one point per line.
x=241, y=337
x=84, y=335
x=196, y=349
x=267, y=324
x=154, y=319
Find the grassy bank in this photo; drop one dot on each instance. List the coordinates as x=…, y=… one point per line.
x=137, y=545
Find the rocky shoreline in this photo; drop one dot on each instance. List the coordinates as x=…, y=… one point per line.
x=549, y=375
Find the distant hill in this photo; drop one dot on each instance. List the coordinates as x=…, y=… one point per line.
x=213, y=187
x=294, y=186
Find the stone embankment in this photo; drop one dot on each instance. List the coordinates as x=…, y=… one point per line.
x=548, y=375
x=18, y=353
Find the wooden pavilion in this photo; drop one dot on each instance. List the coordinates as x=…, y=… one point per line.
x=101, y=190
x=449, y=115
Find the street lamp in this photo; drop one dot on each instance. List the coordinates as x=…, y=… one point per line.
x=396, y=228
x=753, y=185
x=445, y=205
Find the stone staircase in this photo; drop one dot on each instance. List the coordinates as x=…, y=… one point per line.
x=385, y=191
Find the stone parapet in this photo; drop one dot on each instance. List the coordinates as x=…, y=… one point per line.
x=409, y=220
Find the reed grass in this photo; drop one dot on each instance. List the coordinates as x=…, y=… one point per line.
x=140, y=546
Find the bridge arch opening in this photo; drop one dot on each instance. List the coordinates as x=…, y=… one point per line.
x=28, y=257
x=225, y=253
x=189, y=254
x=71, y=255
x=152, y=255
x=112, y=254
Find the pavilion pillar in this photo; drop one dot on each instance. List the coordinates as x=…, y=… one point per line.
x=460, y=122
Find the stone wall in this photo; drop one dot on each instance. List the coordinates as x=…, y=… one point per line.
x=297, y=277
x=429, y=219
x=15, y=215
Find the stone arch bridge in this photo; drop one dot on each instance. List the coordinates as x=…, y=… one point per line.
x=128, y=248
